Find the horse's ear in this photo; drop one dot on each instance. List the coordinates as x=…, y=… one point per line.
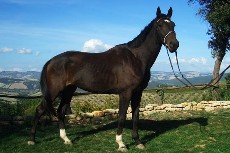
x=158, y=12
x=169, y=15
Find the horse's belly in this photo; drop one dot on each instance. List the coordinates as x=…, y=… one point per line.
x=106, y=84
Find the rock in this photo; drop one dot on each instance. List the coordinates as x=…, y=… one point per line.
x=208, y=108
x=88, y=115
x=129, y=116
x=170, y=109
x=184, y=104
x=188, y=108
x=79, y=117
x=178, y=106
x=178, y=109
x=142, y=109
x=109, y=111
x=129, y=110
x=150, y=107
x=98, y=113
x=193, y=103
x=160, y=107
x=204, y=102
x=71, y=116
x=200, y=106
x=226, y=107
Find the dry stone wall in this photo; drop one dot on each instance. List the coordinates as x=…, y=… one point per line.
x=99, y=116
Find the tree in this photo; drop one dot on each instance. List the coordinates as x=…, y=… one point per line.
x=217, y=14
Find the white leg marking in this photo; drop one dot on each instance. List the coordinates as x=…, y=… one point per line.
x=122, y=146
x=64, y=137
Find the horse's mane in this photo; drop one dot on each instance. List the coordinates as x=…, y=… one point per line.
x=137, y=41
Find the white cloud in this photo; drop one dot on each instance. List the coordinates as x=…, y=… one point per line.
x=6, y=49
x=95, y=46
x=24, y=51
x=199, y=64
x=194, y=60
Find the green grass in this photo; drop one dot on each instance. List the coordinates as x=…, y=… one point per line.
x=163, y=132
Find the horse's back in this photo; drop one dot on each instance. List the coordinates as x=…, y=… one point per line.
x=110, y=71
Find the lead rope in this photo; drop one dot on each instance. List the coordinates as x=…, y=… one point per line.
x=181, y=73
x=173, y=69
x=209, y=85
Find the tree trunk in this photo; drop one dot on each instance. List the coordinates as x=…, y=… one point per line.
x=216, y=70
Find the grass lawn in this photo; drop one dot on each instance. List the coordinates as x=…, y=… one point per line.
x=163, y=132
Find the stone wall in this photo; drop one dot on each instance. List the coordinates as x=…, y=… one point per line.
x=99, y=116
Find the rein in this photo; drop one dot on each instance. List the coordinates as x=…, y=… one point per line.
x=189, y=84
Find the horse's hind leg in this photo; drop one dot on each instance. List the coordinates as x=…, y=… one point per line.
x=66, y=97
x=39, y=112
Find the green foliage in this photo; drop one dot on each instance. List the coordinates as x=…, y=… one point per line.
x=227, y=79
x=212, y=94
x=89, y=103
x=217, y=14
x=225, y=90
x=27, y=107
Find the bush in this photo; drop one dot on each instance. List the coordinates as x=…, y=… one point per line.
x=225, y=91
x=27, y=106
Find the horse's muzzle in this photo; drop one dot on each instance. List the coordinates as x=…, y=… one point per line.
x=173, y=45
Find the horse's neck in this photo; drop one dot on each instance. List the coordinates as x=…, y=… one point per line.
x=148, y=51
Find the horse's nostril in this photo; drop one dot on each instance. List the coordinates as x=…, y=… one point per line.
x=174, y=44
x=171, y=44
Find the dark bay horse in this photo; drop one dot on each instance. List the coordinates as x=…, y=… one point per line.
x=123, y=70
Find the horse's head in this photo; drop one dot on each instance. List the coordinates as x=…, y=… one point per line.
x=165, y=28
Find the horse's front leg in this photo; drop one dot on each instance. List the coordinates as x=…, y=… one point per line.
x=124, y=100
x=135, y=104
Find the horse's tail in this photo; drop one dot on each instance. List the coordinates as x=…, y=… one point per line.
x=45, y=92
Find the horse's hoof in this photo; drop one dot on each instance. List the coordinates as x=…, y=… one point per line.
x=68, y=143
x=31, y=143
x=122, y=149
x=140, y=146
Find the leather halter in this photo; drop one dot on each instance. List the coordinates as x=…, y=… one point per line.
x=164, y=38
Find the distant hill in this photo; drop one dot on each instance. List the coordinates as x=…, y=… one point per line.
x=29, y=75
x=168, y=78
x=29, y=81
x=14, y=81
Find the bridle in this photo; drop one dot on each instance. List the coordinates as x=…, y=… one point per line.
x=165, y=37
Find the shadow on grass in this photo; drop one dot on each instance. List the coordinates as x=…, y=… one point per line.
x=157, y=127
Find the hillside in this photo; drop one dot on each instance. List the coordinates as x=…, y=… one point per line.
x=29, y=81
x=19, y=82
x=168, y=78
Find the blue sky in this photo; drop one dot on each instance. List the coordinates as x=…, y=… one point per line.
x=33, y=31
